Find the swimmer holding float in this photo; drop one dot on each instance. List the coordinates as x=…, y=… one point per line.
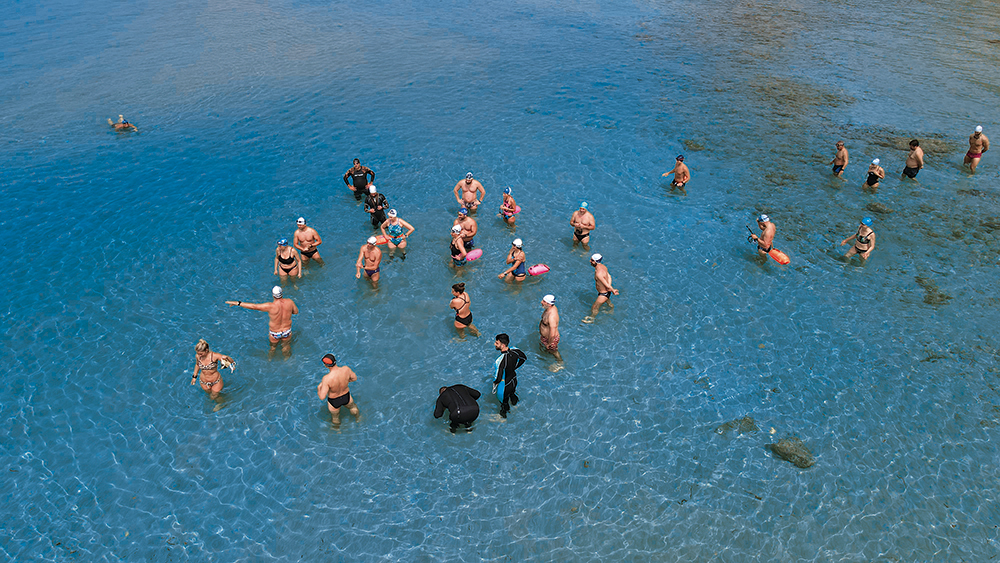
x=765, y=242
x=508, y=208
x=515, y=258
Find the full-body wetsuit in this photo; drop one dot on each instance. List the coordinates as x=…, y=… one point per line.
x=360, y=180
x=371, y=202
x=512, y=359
x=461, y=404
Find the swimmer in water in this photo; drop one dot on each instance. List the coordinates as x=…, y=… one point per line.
x=469, y=228
x=864, y=240
x=307, y=240
x=548, y=326
x=840, y=160
x=507, y=371
x=469, y=188
x=875, y=174
x=392, y=230
x=460, y=401
x=765, y=242
x=279, y=312
x=287, y=261
x=358, y=178
x=602, y=281
x=681, y=173
x=582, y=222
x=458, y=251
x=914, y=161
x=516, y=260
x=462, y=304
x=122, y=125
x=369, y=258
x=978, y=144
x=375, y=205
x=206, y=362
x=508, y=208
x=334, y=389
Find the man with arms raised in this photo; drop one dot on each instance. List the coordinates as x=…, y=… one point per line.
x=334, y=389
x=469, y=187
x=279, y=312
x=369, y=259
x=978, y=144
x=602, y=278
x=307, y=240
x=582, y=222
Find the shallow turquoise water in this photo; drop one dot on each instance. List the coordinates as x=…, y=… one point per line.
x=250, y=113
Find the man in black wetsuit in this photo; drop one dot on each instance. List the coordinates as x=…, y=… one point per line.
x=512, y=359
x=359, y=176
x=461, y=404
x=375, y=205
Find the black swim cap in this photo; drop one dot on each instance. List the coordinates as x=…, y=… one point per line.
x=329, y=360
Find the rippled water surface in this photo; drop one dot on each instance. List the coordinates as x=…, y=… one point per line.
x=123, y=248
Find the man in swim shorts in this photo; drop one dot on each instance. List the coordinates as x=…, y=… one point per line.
x=461, y=404
x=548, y=327
x=357, y=179
x=375, y=206
x=307, y=240
x=469, y=228
x=469, y=188
x=875, y=174
x=369, y=259
x=512, y=359
x=914, y=161
x=864, y=240
x=279, y=311
x=765, y=242
x=582, y=222
x=333, y=388
x=602, y=279
x=681, y=173
x=978, y=144
x=840, y=160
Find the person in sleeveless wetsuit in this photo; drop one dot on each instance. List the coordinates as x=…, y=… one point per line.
x=461, y=404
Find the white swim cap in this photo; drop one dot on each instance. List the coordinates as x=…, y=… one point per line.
x=391, y=213
x=468, y=175
x=583, y=204
x=456, y=229
x=979, y=128
x=597, y=258
x=550, y=299
x=876, y=161
x=371, y=189
x=300, y=221
x=276, y=291
x=763, y=218
x=372, y=240
x=518, y=242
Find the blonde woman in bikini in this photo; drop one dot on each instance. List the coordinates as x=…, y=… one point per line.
x=206, y=362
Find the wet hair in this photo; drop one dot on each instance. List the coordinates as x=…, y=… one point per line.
x=357, y=161
x=329, y=360
x=202, y=346
x=914, y=143
x=459, y=287
x=502, y=338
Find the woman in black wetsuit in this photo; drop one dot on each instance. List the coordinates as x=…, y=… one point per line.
x=287, y=261
x=461, y=303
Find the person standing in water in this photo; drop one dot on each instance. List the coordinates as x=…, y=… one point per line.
x=548, y=327
x=392, y=230
x=765, y=242
x=307, y=240
x=375, y=205
x=369, y=258
x=279, y=311
x=840, y=160
x=469, y=188
x=602, y=279
x=287, y=261
x=458, y=250
x=914, y=161
x=461, y=404
x=515, y=258
x=507, y=372
x=875, y=174
x=334, y=389
x=469, y=228
x=681, y=173
x=864, y=240
x=508, y=207
x=582, y=222
x=462, y=304
x=207, y=362
x=978, y=144
x=357, y=179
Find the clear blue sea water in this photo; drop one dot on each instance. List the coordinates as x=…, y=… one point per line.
x=124, y=247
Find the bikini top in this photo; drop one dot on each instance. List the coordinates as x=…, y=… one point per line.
x=209, y=367
x=286, y=261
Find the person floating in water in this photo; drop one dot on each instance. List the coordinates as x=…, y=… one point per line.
x=681, y=173
x=864, y=240
x=458, y=250
x=333, y=389
x=548, y=326
x=369, y=259
x=507, y=372
x=460, y=401
x=279, y=311
x=469, y=188
x=914, y=161
x=358, y=178
x=582, y=222
x=840, y=160
x=122, y=125
x=307, y=240
x=287, y=261
x=515, y=258
x=462, y=304
x=469, y=228
x=765, y=242
x=508, y=207
x=978, y=144
x=206, y=362
x=375, y=205
x=602, y=279
x=875, y=174
x=392, y=230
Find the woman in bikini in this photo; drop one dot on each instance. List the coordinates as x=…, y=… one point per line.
x=287, y=261
x=207, y=363
x=461, y=302
x=508, y=208
x=864, y=240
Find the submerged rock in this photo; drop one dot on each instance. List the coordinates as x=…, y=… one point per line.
x=793, y=450
x=742, y=425
x=932, y=295
x=876, y=207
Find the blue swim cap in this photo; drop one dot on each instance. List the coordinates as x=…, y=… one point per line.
x=283, y=242
x=463, y=211
x=506, y=190
x=867, y=221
